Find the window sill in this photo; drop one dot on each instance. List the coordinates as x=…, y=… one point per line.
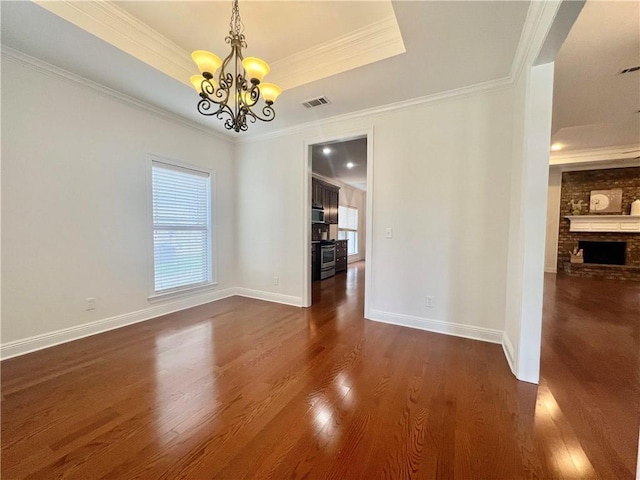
x=181, y=292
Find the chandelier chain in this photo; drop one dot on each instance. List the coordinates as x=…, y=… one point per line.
x=235, y=25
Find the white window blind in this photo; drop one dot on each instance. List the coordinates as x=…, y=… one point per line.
x=181, y=227
x=348, y=228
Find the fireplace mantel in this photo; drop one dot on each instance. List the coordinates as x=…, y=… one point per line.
x=604, y=223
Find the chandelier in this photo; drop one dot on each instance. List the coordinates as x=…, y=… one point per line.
x=234, y=94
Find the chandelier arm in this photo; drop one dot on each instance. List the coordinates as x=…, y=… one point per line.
x=226, y=114
x=268, y=114
x=226, y=79
x=220, y=96
x=252, y=95
x=204, y=107
x=207, y=88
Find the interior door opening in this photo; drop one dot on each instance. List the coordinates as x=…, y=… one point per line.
x=337, y=176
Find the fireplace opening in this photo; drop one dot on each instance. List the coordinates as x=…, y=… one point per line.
x=604, y=253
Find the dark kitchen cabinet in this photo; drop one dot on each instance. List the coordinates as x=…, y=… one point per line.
x=327, y=203
x=326, y=195
x=341, y=255
x=333, y=205
x=317, y=194
x=315, y=262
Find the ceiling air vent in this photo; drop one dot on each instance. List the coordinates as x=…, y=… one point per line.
x=630, y=69
x=316, y=102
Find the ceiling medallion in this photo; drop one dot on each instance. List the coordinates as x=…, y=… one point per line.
x=235, y=94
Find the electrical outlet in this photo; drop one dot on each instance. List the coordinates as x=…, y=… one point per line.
x=90, y=303
x=388, y=232
x=276, y=280
x=429, y=302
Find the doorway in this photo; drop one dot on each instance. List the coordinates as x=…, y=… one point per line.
x=337, y=199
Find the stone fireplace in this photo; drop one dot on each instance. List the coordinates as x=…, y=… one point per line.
x=611, y=242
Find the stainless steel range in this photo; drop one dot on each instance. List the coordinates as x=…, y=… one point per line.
x=327, y=259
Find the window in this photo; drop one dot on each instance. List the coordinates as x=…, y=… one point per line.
x=348, y=228
x=181, y=227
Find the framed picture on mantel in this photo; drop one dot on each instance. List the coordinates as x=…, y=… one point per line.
x=606, y=201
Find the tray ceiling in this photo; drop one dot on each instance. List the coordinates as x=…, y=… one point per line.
x=142, y=49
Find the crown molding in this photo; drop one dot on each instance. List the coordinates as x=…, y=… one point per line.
x=16, y=56
x=624, y=153
x=369, y=44
x=539, y=18
x=109, y=22
x=119, y=28
x=336, y=182
x=458, y=93
x=114, y=25
x=531, y=26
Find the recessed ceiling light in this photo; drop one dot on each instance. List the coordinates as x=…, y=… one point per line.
x=351, y=165
x=556, y=146
x=326, y=150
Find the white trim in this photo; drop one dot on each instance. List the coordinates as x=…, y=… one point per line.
x=638, y=460
x=119, y=28
x=603, y=165
x=354, y=258
x=107, y=21
x=11, y=54
x=507, y=347
x=529, y=35
x=527, y=43
x=438, y=326
x=269, y=296
x=551, y=270
x=368, y=226
x=306, y=202
x=603, y=154
x=525, y=48
x=458, y=93
x=50, y=339
x=604, y=223
x=181, y=292
x=335, y=182
x=372, y=43
x=307, y=189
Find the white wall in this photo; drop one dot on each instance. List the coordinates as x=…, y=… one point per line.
x=513, y=306
x=74, y=188
x=527, y=224
x=441, y=180
x=553, y=221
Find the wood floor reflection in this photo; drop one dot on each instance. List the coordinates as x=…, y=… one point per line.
x=247, y=389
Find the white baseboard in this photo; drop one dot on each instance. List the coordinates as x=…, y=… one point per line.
x=46, y=340
x=438, y=326
x=507, y=347
x=269, y=296
x=39, y=342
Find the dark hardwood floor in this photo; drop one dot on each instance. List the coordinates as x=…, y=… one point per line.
x=247, y=389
